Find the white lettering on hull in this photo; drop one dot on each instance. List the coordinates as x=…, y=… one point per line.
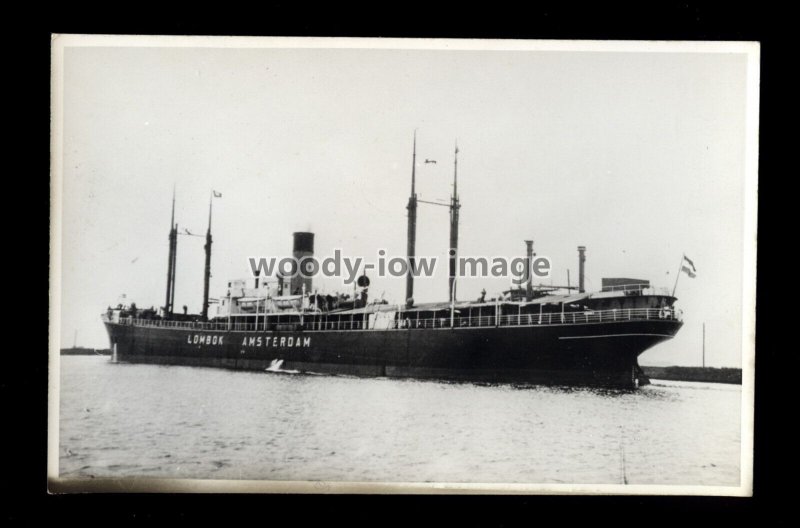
x=252, y=341
x=203, y=339
x=276, y=341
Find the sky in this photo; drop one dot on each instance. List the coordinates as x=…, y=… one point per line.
x=638, y=156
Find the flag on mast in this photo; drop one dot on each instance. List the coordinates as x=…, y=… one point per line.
x=217, y=194
x=690, y=272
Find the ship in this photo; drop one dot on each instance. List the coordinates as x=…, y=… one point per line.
x=536, y=334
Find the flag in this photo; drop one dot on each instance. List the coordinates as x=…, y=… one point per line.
x=689, y=272
x=217, y=194
x=687, y=259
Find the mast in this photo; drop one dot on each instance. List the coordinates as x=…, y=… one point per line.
x=207, y=270
x=704, y=344
x=174, y=267
x=173, y=235
x=412, y=227
x=454, y=207
x=677, y=276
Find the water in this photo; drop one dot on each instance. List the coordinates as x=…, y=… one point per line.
x=121, y=420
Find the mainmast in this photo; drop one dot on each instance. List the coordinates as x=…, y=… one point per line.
x=207, y=271
x=173, y=246
x=455, y=205
x=412, y=228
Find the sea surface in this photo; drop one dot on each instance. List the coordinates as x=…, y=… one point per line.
x=124, y=420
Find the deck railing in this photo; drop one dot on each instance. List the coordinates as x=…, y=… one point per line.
x=359, y=322
x=637, y=288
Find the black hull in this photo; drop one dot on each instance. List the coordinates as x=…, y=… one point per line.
x=602, y=354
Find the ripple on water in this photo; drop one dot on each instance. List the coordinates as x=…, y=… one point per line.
x=162, y=421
